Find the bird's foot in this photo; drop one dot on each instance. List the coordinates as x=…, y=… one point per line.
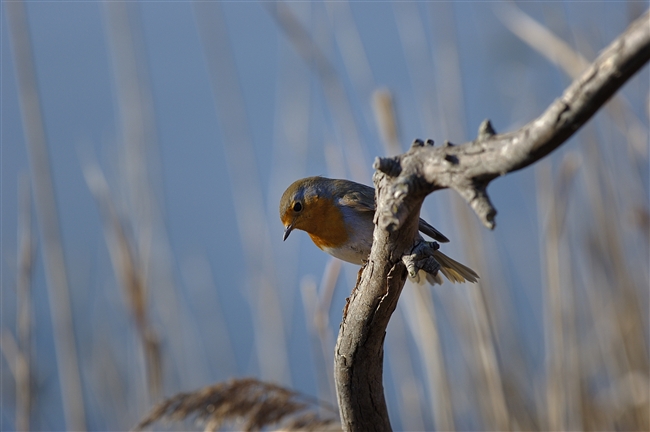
x=421, y=258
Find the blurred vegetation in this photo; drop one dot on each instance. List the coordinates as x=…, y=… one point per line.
x=491, y=356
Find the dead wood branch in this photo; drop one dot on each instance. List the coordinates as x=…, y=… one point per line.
x=404, y=181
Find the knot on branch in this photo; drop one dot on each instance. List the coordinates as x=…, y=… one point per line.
x=485, y=130
x=389, y=166
x=452, y=159
x=422, y=258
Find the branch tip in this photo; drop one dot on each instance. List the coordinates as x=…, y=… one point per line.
x=448, y=144
x=389, y=166
x=417, y=143
x=488, y=220
x=484, y=210
x=478, y=199
x=430, y=142
x=485, y=130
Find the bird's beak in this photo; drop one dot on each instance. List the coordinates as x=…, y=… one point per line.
x=287, y=231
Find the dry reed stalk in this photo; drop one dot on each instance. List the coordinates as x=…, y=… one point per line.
x=615, y=304
x=345, y=33
x=292, y=141
x=317, y=312
x=563, y=191
x=618, y=404
x=605, y=365
x=309, y=294
x=130, y=262
x=47, y=217
x=448, y=82
x=612, y=313
x=559, y=320
x=560, y=53
x=483, y=334
x=139, y=173
x=410, y=23
x=554, y=330
x=385, y=116
x=452, y=112
x=206, y=302
x=321, y=319
x=407, y=383
x=482, y=331
x=482, y=328
x=541, y=39
x=248, y=200
x=421, y=321
x=498, y=415
x=246, y=404
x=26, y=255
x=129, y=272
x=17, y=362
x=338, y=100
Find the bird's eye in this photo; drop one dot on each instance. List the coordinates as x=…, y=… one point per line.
x=297, y=207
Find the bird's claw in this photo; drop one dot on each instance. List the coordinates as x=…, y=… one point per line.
x=421, y=258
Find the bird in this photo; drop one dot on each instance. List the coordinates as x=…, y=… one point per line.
x=338, y=216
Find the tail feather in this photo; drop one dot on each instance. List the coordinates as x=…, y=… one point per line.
x=433, y=280
x=450, y=268
x=453, y=270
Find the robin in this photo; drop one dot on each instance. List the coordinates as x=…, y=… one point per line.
x=338, y=216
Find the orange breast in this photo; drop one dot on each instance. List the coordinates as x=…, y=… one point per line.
x=324, y=223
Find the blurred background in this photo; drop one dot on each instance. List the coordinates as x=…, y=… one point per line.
x=144, y=150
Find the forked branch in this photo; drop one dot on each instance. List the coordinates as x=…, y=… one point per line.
x=404, y=181
x=468, y=168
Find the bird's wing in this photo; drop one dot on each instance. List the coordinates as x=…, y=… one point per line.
x=432, y=232
x=360, y=198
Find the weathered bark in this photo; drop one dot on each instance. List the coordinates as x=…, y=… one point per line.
x=403, y=182
x=360, y=346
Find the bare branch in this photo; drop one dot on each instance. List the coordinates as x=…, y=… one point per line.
x=468, y=168
x=404, y=181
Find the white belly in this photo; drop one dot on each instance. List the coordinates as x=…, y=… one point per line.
x=349, y=254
